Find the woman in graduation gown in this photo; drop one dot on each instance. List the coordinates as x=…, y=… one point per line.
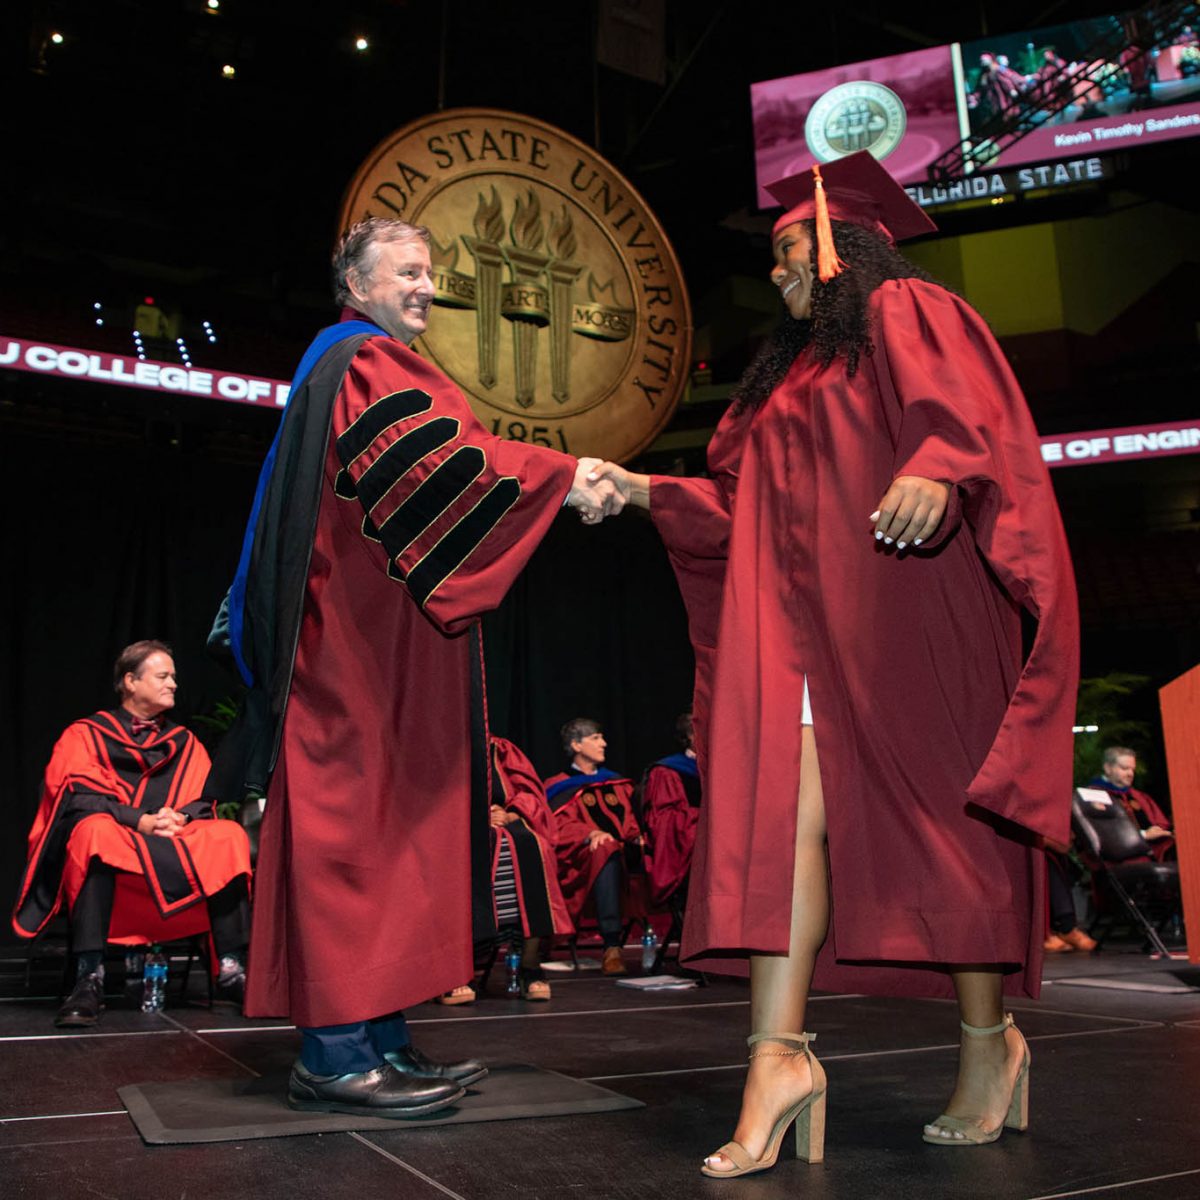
x=880, y=754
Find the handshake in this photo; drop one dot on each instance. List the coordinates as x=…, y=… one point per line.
x=602, y=489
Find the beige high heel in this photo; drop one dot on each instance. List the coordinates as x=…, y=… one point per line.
x=960, y=1131
x=808, y=1114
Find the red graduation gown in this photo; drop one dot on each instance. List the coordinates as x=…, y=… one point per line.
x=97, y=757
x=517, y=788
x=943, y=755
x=363, y=887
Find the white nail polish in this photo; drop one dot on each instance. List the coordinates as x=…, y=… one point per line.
x=874, y=516
x=917, y=541
x=901, y=545
x=878, y=535
x=887, y=541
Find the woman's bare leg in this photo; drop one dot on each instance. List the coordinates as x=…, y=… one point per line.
x=987, y=1066
x=779, y=984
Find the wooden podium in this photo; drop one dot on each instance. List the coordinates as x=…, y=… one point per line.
x=1180, y=704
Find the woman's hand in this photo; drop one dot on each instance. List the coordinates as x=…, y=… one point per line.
x=910, y=511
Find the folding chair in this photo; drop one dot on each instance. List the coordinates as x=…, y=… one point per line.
x=1112, y=847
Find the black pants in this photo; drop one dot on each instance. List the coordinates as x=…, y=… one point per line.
x=606, y=896
x=228, y=913
x=1062, y=904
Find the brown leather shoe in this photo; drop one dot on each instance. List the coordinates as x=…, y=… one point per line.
x=612, y=963
x=1078, y=940
x=1056, y=945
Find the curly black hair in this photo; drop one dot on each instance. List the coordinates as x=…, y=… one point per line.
x=840, y=322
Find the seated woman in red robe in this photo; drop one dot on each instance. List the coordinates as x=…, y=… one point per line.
x=879, y=755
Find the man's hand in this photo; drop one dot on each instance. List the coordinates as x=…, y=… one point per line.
x=164, y=823
x=593, y=499
x=634, y=489
x=910, y=511
x=501, y=816
x=598, y=838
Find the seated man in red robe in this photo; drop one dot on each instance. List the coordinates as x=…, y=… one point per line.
x=122, y=794
x=670, y=812
x=1117, y=772
x=597, y=833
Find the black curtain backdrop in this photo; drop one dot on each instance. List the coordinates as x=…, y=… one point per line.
x=105, y=543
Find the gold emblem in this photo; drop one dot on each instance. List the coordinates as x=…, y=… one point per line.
x=589, y=799
x=563, y=315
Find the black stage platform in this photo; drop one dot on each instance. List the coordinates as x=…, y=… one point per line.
x=1115, y=1090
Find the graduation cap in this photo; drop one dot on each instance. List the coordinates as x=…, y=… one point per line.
x=856, y=189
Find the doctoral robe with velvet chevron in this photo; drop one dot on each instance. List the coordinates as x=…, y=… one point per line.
x=944, y=749
x=364, y=890
x=101, y=778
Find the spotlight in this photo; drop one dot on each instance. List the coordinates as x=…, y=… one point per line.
x=214, y=5
x=56, y=38
x=99, y=320
x=97, y=306
x=361, y=44
x=228, y=72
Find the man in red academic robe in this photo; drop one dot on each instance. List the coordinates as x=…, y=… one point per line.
x=1116, y=776
x=598, y=834
x=387, y=521
x=122, y=793
x=670, y=812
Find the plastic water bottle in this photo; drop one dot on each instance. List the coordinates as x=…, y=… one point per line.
x=513, y=961
x=154, y=980
x=649, y=949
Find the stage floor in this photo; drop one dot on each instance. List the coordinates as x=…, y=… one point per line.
x=1115, y=1097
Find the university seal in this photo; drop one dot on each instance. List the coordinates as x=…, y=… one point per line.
x=563, y=313
x=855, y=116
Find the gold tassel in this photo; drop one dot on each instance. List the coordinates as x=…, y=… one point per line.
x=828, y=263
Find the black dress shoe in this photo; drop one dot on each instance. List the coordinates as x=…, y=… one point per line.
x=231, y=983
x=383, y=1092
x=84, y=1005
x=410, y=1060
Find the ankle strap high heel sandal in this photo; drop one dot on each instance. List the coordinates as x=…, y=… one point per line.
x=807, y=1113
x=963, y=1131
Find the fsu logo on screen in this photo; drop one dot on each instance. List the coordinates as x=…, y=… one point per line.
x=563, y=314
x=855, y=116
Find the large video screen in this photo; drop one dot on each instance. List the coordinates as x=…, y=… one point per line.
x=910, y=109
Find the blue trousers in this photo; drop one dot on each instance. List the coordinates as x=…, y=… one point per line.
x=606, y=895
x=354, y=1048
